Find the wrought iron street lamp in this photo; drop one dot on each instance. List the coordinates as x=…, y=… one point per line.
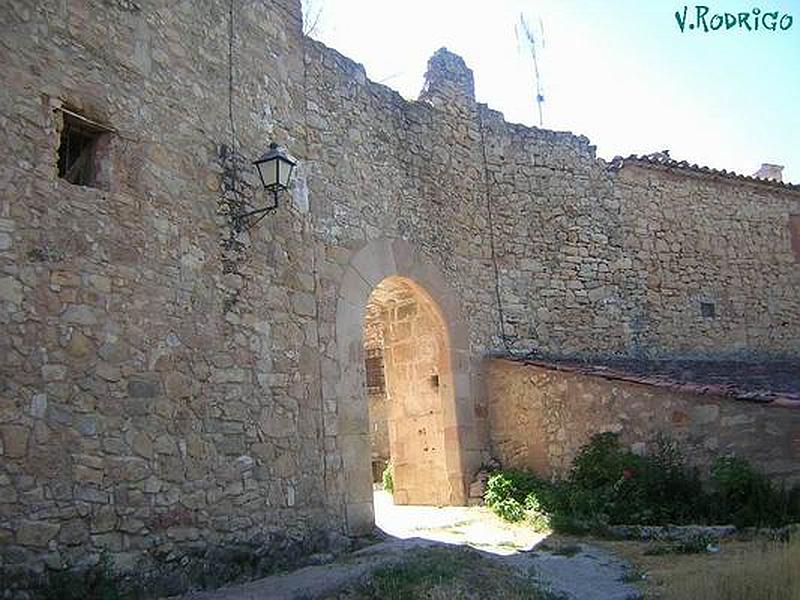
x=275, y=171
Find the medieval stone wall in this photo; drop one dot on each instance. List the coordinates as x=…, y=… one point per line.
x=375, y=319
x=155, y=399
x=539, y=419
x=597, y=263
x=168, y=384
x=693, y=240
x=591, y=261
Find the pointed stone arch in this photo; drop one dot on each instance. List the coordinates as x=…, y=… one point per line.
x=377, y=261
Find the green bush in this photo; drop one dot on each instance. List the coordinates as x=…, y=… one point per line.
x=503, y=496
x=388, y=479
x=514, y=496
x=509, y=509
x=608, y=485
x=669, y=491
x=748, y=498
x=601, y=462
x=536, y=512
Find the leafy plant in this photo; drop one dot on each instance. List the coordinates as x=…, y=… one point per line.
x=536, y=513
x=608, y=484
x=514, y=496
x=747, y=497
x=388, y=479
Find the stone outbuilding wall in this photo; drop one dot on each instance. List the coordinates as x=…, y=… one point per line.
x=170, y=384
x=540, y=417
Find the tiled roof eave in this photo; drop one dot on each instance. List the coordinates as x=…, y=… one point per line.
x=698, y=387
x=684, y=167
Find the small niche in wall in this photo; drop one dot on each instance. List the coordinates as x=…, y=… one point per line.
x=708, y=310
x=83, y=150
x=376, y=382
x=434, y=381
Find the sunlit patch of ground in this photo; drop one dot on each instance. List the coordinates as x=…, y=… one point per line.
x=474, y=526
x=568, y=568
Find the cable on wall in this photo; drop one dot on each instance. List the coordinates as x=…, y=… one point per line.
x=492, y=248
x=234, y=249
x=231, y=37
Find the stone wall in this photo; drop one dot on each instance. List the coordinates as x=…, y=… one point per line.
x=156, y=397
x=170, y=383
x=540, y=417
x=596, y=262
x=377, y=393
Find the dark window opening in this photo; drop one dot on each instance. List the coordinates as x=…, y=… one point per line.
x=708, y=310
x=376, y=382
x=434, y=381
x=79, y=157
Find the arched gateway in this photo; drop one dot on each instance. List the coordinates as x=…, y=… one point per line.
x=440, y=357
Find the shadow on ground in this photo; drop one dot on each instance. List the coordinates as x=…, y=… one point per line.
x=578, y=571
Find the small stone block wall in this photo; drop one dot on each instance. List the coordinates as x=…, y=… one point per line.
x=539, y=419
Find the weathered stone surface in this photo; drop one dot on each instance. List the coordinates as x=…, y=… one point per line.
x=54, y=372
x=79, y=346
x=80, y=315
x=675, y=533
x=10, y=290
x=36, y=533
x=539, y=418
x=74, y=533
x=15, y=440
x=177, y=385
x=38, y=405
x=143, y=388
x=148, y=345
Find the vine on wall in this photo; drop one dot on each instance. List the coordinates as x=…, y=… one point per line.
x=235, y=195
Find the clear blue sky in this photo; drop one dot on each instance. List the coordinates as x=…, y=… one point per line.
x=619, y=71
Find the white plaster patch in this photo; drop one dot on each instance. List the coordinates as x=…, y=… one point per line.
x=300, y=189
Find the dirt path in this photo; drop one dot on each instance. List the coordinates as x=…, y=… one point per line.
x=579, y=571
x=317, y=581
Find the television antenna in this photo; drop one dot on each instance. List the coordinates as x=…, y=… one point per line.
x=526, y=40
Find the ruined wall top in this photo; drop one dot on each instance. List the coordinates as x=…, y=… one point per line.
x=448, y=79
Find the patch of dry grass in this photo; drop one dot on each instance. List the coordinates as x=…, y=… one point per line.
x=770, y=573
x=741, y=570
x=445, y=573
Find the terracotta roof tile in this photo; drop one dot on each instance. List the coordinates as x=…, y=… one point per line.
x=664, y=161
x=773, y=383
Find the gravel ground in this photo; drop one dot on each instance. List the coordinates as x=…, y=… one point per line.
x=580, y=571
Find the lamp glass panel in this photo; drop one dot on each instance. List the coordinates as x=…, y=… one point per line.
x=269, y=172
x=284, y=172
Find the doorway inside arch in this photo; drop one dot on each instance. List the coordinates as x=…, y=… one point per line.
x=409, y=379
